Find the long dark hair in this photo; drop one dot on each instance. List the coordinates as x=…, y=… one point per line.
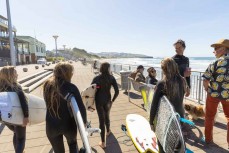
x=62, y=72
x=172, y=78
x=8, y=78
x=105, y=75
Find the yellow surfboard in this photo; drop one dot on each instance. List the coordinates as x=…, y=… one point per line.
x=141, y=134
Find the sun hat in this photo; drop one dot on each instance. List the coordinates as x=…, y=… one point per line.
x=221, y=42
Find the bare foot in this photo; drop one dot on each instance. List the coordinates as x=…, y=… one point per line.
x=102, y=145
x=108, y=133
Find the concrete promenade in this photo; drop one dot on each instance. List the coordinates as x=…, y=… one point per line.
x=117, y=142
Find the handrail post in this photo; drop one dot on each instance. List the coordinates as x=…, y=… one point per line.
x=199, y=92
x=128, y=88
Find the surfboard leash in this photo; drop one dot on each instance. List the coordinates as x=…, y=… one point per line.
x=123, y=128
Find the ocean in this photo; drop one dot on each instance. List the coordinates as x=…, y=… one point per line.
x=196, y=63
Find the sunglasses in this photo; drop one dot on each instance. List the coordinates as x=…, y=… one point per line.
x=217, y=48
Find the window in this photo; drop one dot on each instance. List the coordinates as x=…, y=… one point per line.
x=37, y=49
x=26, y=48
x=20, y=47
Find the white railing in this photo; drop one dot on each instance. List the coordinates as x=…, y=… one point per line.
x=197, y=92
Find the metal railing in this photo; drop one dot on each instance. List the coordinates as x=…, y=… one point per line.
x=197, y=93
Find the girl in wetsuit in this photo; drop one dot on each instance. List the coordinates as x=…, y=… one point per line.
x=173, y=85
x=151, y=78
x=8, y=83
x=103, y=99
x=59, y=121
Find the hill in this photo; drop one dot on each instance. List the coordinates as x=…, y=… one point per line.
x=72, y=54
x=120, y=55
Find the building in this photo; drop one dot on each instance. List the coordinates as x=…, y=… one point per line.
x=28, y=49
x=4, y=41
x=35, y=48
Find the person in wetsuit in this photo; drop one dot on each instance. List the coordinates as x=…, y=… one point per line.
x=103, y=99
x=8, y=83
x=59, y=119
x=173, y=86
x=182, y=62
x=151, y=78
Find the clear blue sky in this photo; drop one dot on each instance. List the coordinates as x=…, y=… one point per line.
x=147, y=27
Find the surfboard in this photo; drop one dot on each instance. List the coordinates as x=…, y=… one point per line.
x=147, y=96
x=141, y=134
x=88, y=97
x=167, y=127
x=11, y=112
x=79, y=122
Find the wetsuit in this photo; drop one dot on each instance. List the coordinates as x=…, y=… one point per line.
x=151, y=80
x=65, y=125
x=176, y=101
x=19, y=131
x=182, y=62
x=104, y=102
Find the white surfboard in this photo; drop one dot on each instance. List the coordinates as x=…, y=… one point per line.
x=167, y=127
x=79, y=121
x=141, y=134
x=11, y=111
x=88, y=97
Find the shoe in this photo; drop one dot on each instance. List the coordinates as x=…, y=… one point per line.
x=204, y=141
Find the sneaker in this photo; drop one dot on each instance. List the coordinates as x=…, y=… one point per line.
x=204, y=141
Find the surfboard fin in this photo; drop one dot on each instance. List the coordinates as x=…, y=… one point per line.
x=123, y=127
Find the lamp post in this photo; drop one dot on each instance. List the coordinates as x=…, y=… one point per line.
x=55, y=37
x=12, y=49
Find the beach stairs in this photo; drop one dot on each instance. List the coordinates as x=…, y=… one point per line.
x=31, y=82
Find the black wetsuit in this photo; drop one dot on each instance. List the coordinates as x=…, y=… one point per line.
x=103, y=101
x=152, y=80
x=19, y=131
x=182, y=62
x=65, y=125
x=176, y=101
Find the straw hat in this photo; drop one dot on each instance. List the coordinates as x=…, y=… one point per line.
x=222, y=42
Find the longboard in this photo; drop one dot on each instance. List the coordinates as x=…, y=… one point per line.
x=168, y=129
x=11, y=111
x=84, y=132
x=141, y=134
x=88, y=97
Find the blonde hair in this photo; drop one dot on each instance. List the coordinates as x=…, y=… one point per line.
x=8, y=78
x=62, y=72
x=172, y=78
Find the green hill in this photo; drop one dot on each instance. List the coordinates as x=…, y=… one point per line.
x=72, y=54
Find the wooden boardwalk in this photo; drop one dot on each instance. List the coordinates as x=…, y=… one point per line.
x=117, y=142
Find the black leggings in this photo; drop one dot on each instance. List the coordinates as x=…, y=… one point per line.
x=104, y=118
x=18, y=138
x=56, y=139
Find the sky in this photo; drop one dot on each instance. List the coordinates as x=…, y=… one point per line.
x=148, y=27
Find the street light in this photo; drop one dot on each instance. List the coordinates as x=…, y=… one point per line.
x=12, y=49
x=55, y=37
